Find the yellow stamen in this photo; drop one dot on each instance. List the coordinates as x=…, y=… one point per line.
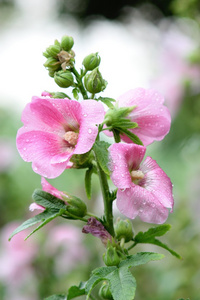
x=71, y=137
x=137, y=175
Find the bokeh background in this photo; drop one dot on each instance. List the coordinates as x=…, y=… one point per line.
x=150, y=44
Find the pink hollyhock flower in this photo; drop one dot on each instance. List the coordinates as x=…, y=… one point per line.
x=47, y=187
x=54, y=130
x=97, y=229
x=150, y=114
x=144, y=189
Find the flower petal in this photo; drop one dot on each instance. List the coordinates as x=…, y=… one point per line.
x=123, y=159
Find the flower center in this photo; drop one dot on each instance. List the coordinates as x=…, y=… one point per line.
x=71, y=137
x=136, y=176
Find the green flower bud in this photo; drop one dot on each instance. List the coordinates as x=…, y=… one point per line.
x=123, y=229
x=59, y=95
x=53, y=50
x=67, y=43
x=91, y=61
x=94, y=82
x=52, y=63
x=111, y=257
x=76, y=206
x=64, y=78
x=105, y=292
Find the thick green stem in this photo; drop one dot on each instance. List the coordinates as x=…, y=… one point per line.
x=108, y=210
x=80, y=83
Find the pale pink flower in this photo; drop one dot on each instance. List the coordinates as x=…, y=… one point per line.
x=54, y=130
x=144, y=189
x=97, y=229
x=150, y=114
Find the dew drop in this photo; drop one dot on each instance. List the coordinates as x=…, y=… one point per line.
x=35, y=169
x=89, y=130
x=24, y=148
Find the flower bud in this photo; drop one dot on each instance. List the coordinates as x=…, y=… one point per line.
x=94, y=82
x=53, y=50
x=91, y=61
x=52, y=63
x=105, y=292
x=67, y=43
x=64, y=78
x=123, y=229
x=76, y=206
x=111, y=257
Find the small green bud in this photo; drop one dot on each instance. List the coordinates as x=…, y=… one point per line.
x=64, y=78
x=59, y=95
x=52, y=64
x=94, y=82
x=76, y=206
x=123, y=229
x=91, y=61
x=111, y=257
x=67, y=43
x=53, y=50
x=105, y=292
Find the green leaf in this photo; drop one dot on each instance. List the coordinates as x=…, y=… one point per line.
x=43, y=218
x=107, y=101
x=88, y=180
x=56, y=297
x=76, y=291
x=47, y=200
x=148, y=237
x=121, y=281
x=101, y=151
x=131, y=136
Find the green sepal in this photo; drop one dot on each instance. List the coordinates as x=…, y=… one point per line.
x=76, y=291
x=119, y=277
x=56, y=297
x=131, y=136
x=148, y=237
x=43, y=218
x=101, y=151
x=75, y=92
x=88, y=181
x=59, y=95
x=108, y=101
x=47, y=200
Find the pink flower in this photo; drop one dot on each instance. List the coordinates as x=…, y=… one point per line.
x=97, y=229
x=150, y=114
x=54, y=130
x=47, y=187
x=144, y=189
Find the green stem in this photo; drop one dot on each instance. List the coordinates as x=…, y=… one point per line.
x=132, y=246
x=80, y=83
x=108, y=210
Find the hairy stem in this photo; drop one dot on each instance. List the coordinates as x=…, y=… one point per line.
x=80, y=83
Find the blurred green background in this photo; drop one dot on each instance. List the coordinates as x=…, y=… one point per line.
x=153, y=44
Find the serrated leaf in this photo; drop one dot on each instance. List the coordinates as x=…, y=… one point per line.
x=56, y=297
x=47, y=200
x=101, y=151
x=140, y=258
x=148, y=237
x=76, y=291
x=44, y=217
x=88, y=181
x=131, y=136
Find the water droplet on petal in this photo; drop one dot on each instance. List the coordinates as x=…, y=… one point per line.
x=89, y=130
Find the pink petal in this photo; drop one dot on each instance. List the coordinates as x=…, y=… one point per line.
x=136, y=201
x=152, y=116
x=40, y=147
x=35, y=206
x=123, y=159
x=47, y=187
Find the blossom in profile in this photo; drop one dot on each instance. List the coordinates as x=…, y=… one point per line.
x=97, y=229
x=54, y=130
x=152, y=117
x=144, y=189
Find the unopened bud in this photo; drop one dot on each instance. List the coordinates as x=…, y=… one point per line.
x=64, y=78
x=91, y=61
x=53, y=50
x=111, y=257
x=76, y=206
x=123, y=229
x=67, y=43
x=94, y=82
x=52, y=63
x=105, y=292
